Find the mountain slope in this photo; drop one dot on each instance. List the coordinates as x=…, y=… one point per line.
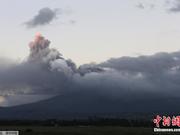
x=76, y=106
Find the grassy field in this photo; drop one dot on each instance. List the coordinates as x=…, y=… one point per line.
x=81, y=130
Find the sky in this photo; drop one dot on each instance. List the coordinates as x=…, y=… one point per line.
x=35, y=33
x=101, y=29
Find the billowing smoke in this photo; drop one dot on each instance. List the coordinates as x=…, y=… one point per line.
x=46, y=72
x=44, y=17
x=51, y=58
x=39, y=50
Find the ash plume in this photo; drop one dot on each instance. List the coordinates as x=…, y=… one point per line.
x=46, y=72
x=39, y=50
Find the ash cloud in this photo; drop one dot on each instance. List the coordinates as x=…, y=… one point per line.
x=45, y=16
x=46, y=72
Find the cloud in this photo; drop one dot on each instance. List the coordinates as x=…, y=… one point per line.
x=45, y=16
x=172, y=6
x=46, y=72
x=146, y=5
x=175, y=7
x=140, y=6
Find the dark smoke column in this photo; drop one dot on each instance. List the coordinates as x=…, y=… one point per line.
x=50, y=58
x=39, y=43
x=40, y=51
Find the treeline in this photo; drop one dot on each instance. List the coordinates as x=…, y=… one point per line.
x=80, y=122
